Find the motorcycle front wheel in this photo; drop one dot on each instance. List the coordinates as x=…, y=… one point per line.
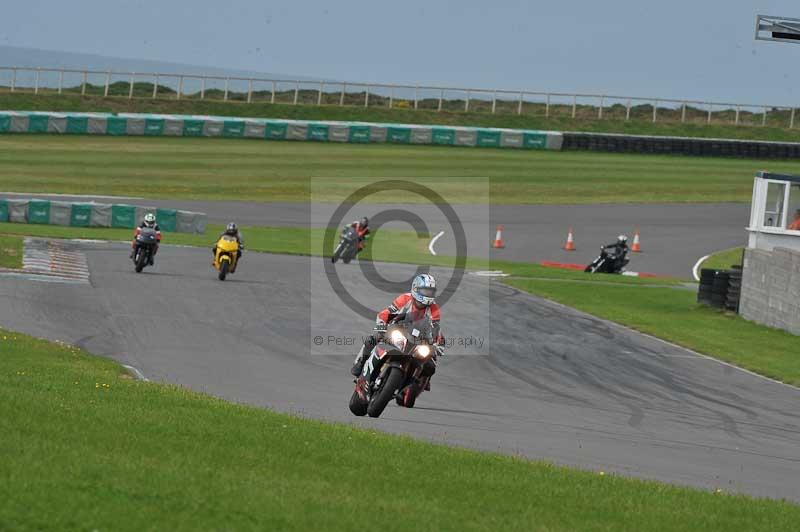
x=391, y=383
x=223, y=269
x=358, y=406
x=141, y=260
x=336, y=254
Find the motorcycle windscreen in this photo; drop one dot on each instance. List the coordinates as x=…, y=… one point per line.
x=147, y=235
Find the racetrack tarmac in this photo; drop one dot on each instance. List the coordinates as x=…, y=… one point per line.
x=674, y=236
x=557, y=385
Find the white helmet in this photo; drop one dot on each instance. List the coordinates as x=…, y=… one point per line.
x=150, y=219
x=622, y=239
x=423, y=289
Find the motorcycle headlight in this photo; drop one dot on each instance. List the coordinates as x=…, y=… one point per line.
x=423, y=351
x=398, y=340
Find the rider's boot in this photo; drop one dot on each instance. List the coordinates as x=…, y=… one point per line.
x=358, y=365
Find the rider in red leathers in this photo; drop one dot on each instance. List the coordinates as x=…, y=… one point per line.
x=419, y=302
x=149, y=222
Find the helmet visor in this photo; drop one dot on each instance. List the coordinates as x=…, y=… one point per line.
x=427, y=291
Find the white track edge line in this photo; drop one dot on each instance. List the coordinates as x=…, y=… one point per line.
x=433, y=241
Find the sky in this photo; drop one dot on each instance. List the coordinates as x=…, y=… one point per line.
x=669, y=49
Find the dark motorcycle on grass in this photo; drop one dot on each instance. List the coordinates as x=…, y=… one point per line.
x=609, y=261
x=144, y=251
x=394, y=368
x=348, y=246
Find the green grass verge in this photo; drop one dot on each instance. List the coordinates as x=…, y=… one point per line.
x=10, y=251
x=88, y=448
x=675, y=316
x=723, y=260
x=641, y=122
x=232, y=169
x=385, y=246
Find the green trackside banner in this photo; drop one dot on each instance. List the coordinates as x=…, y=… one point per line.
x=359, y=134
x=273, y=129
x=78, y=125
x=3, y=210
x=276, y=130
x=443, y=136
x=38, y=123
x=123, y=216
x=400, y=135
x=536, y=141
x=116, y=125
x=317, y=132
x=153, y=126
x=80, y=215
x=39, y=212
x=488, y=139
x=167, y=219
x=233, y=128
x=193, y=128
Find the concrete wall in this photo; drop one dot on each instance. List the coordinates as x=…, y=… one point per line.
x=771, y=288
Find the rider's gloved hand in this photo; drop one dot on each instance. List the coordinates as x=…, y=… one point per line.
x=380, y=328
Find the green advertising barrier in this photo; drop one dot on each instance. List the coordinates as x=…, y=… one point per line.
x=38, y=123
x=233, y=128
x=317, y=132
x=116, y=125
x=359, y=134
x=193, y=128
x=154, y=126
x=276, y=130
x=78, y=125
x=443, y=136
x=534, y=141
x=123, y=216
x=39, y=212
x=400, y=135
x=167, y=219
x=3, y=210
x=488, y=139
x=80, y=215
x=5, y=123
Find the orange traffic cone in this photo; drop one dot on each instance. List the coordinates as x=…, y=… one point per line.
x=498, y=238
x=636, y=247
x=570, y=246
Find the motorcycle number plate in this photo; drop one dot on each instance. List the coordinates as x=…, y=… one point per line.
x=415, y=333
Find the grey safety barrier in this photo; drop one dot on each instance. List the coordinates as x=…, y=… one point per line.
x=274, y=129
x=36, y=211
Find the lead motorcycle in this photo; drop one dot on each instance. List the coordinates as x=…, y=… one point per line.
x=146, y=242
x=608, y=262
x=393, y=369
x=348, y=245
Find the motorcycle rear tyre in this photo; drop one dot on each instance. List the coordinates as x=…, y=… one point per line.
x=392, y=383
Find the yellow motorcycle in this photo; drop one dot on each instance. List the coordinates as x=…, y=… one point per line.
x=226, y=254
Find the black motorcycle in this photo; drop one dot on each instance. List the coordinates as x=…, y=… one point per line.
x=608, y=262
x=348, y=245
x=394, y=368
x=145, y=247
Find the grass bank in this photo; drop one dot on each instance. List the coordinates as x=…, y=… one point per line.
x=234, y=169
x=674, y=315
x=95, y=450
x=723, y=260
x=641, y=122
x=10, y=251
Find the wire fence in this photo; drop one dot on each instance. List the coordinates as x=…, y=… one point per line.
x=575, y=106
